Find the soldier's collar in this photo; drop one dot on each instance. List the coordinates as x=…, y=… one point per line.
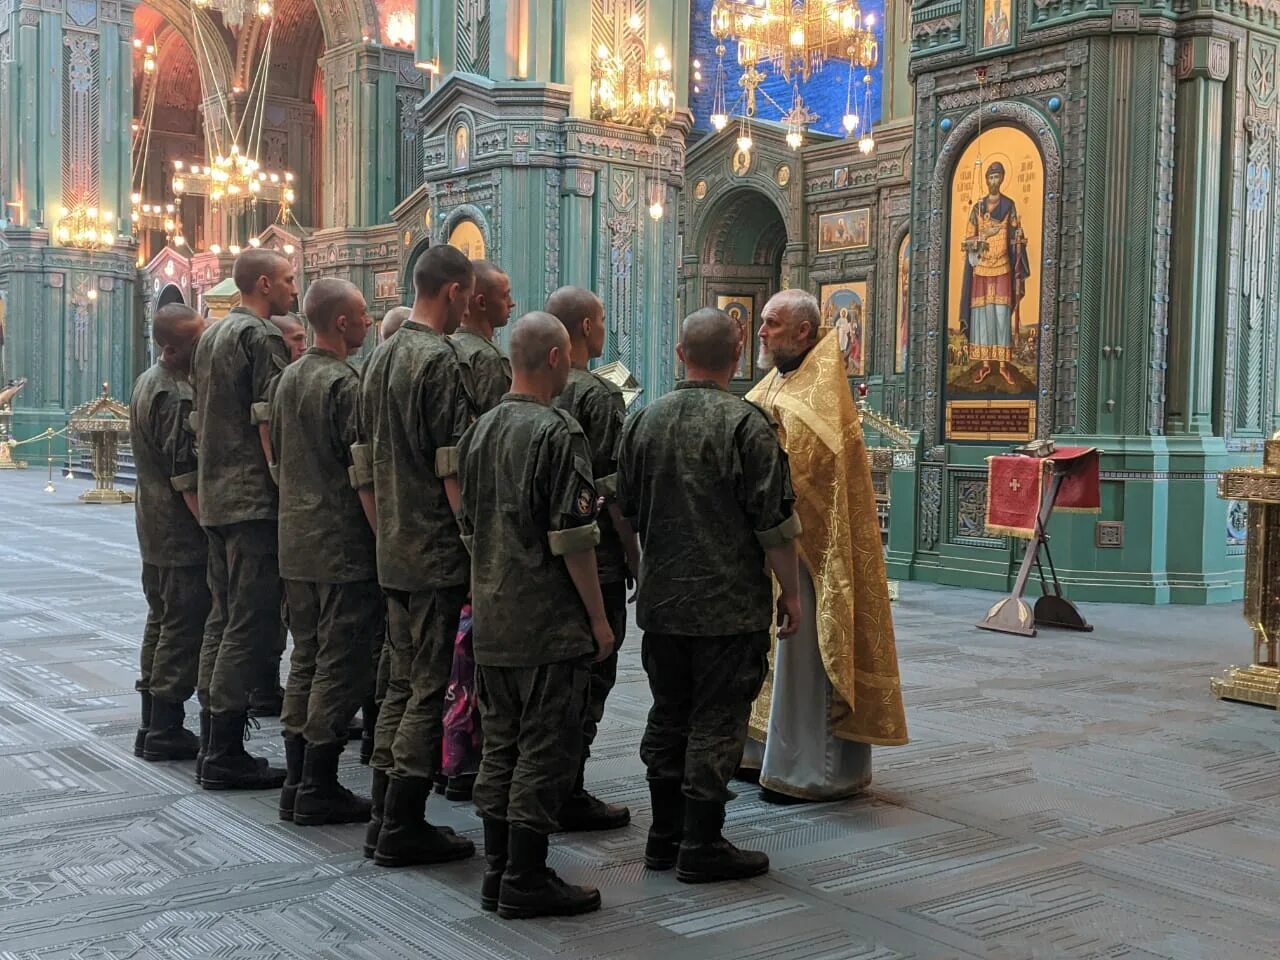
x=698, y=385
x=420, y=327
x=321, y=352
x=522, y=398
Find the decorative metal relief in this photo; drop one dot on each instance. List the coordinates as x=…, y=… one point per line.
x=473, y=36
x=81, y=130
x=930, y=505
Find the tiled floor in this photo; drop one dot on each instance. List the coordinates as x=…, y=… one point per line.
x=1068, y=796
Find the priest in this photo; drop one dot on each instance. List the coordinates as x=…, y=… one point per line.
x=833, y=690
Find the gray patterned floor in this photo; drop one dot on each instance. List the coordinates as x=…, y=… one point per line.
x=1069, y=796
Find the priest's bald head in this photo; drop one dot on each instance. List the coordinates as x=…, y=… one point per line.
x=789, y=326
x=539, y=355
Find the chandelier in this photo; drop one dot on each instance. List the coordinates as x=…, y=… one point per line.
x=86, y=227
x=792, y=39
x=633, y=90
x=234, y=179
x=236, y=12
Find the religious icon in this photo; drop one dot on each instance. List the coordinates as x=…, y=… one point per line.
x=900, y=311
x=460, y=147
x=741, y=162
x=995, y=23
x=700, y=190
x=841, y=177
x=993, y=301
x=783, y=175
x=466, y=236
x=739, y=307
x=847, y=230
x=844, y=312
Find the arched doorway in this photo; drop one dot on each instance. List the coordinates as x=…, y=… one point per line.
x=743, y=239
x=170, y=294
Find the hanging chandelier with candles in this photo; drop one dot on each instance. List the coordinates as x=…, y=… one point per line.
x=793, y=39
x=236, y=12
x=634, y=91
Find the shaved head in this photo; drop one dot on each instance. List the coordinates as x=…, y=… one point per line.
x=488, y=273
x=573, y=305
x=393, y=320
x=176, y=330
x=328, y=298
x=710, y=340
x=255, y=263
x=532, y=339
x=293, y=331
x=173, y=324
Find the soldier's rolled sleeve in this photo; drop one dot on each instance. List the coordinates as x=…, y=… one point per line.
x=444, y=413
x=186, y=482
x=361, y=470
x=777, y=536
x=765, y=483
x=268, y=356
x=178, y=444
x=572, y=494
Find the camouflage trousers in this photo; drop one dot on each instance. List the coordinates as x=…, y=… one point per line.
x=604, y=674
x=177, y=605
x=333, y=626
x=420, y=631
x=244, y=581
x=703, y=688
x=532, y=718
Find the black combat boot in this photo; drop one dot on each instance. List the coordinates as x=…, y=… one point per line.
x=705, y=855
x=321, y=798
x=295, y=749
x=460, y=787
x=226, y=764
x=406, y=838
x=144, y=723
x=168, y=739
x=495, y=857
x=663, y=845
x=581, y=812
x=368, y=724
x=379, y=793
x=529, y=888
x=204, y=741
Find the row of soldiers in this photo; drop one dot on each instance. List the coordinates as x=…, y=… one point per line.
x=378, y=503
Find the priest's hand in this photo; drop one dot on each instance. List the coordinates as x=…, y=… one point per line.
x=788, y=614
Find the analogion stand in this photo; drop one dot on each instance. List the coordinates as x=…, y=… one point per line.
x=1014, y=614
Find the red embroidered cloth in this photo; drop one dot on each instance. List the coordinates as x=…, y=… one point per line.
x=1016, y=483
x=1014, y=486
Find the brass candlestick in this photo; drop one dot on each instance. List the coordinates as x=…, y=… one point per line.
x=103, y=420
x=1258, y=683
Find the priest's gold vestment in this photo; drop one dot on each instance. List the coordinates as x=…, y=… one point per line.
x=840, y=547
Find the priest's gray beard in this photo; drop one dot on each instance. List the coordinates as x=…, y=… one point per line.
x=764, y=359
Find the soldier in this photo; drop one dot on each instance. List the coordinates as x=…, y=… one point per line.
x=488, y=377
x=235, y=369
x=414, y=409
x=327, y=557
x=173, y=546
x=294, y=333
x=705, y=595
x=267, y=696
x=528, y=511
x=598, y=407
x=392, y=321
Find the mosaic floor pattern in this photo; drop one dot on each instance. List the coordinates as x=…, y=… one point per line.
x=1071, y=796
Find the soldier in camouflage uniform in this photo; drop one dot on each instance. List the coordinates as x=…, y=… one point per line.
x=487, y=372
x=527, y=514
x=327, y=557
x=703, y=477
x=414, y=409
x=391, y=321
x=598, y=407
x=173, y=545
x=235, y=369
